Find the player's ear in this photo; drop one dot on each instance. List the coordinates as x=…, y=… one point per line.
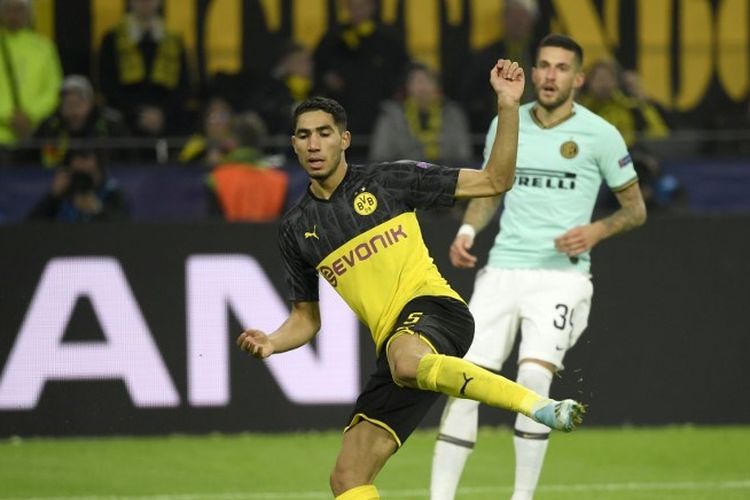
x=579, y=80
x=346, y=140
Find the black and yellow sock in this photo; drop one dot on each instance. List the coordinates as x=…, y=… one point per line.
x=461, y=379
x=365, y=492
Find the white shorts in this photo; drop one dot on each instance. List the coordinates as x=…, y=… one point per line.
x=551, y=307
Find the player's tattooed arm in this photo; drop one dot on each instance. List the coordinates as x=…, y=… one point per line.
x=631, y=214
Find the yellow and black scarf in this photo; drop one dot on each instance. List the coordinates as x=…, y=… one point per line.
x=353, y=35
x=427, y=131
x=166, y=67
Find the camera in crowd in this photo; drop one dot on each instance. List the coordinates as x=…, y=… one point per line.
x=85, y=170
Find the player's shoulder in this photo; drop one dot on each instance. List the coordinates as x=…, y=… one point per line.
x=380, y=165
x=594, y=122
x=357, y=170
x=390, y=168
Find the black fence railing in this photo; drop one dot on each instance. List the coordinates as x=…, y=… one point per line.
x=687, y=143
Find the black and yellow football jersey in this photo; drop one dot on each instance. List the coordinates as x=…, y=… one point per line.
x=366, y=241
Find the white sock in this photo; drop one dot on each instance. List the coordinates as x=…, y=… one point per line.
x=458, y=433
x=531, y=438
x=529, y=460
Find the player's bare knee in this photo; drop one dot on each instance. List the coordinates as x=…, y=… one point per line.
x=404, y=370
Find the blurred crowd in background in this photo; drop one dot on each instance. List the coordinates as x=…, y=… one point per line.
x=142, y=106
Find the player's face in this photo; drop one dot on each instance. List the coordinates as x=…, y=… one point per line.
x=556, y=75
x=319, y=144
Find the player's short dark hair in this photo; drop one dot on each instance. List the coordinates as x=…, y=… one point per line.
x=325, y=104
x=564, y=42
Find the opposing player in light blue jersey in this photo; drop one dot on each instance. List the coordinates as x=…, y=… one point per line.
x=537, y=276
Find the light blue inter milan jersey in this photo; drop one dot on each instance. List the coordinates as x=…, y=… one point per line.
x=559, y=171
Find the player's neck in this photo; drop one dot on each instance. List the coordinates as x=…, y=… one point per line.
x=551, y=117
x=324, y=188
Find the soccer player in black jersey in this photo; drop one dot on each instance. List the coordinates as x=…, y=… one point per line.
x=356, y=226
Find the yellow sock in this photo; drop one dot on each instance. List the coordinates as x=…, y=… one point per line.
x=461, y=379
x=366, y=492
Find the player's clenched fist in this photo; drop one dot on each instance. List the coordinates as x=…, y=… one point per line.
x=255, y=343
x=507, y=79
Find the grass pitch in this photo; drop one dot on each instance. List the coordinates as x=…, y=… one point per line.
x=688, y=463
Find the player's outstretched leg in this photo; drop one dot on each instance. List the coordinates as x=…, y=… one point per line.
x=562, y=415
x=461, y=379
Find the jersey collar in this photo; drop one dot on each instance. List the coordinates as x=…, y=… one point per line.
x=335, y=191
x=553, y=124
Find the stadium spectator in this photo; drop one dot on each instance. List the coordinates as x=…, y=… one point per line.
x=79, y=119
x=519, y=20
x=216, y=138
x=618, y=97
x=359, y=64
x=537, y=277
x=627, y=108
x=81, y=191
x=144, y=73
x=227, y=136
x=290, y=82
x=356, y=227
x=425, y=125
x=244, y=184
x=30, y=75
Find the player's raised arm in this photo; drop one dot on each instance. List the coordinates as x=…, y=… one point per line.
x=298, y=329
x=507, y=80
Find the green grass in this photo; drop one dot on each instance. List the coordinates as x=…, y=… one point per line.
x=688, y=463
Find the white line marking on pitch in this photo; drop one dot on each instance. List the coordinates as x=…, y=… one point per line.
x=686, y=485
